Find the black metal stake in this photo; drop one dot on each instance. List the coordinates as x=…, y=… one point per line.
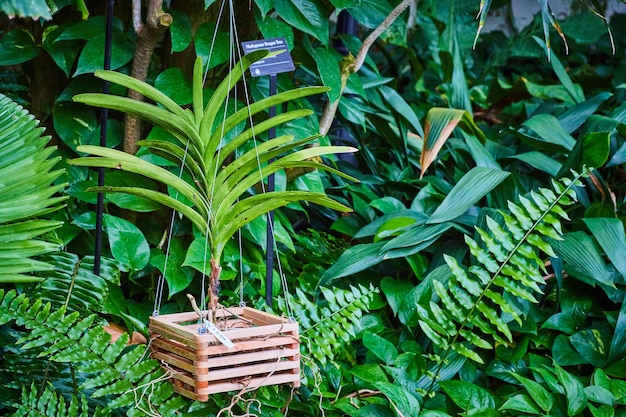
x=269, y=264
x=104, y=118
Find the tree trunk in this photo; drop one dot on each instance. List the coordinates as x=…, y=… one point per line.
x=149, y=35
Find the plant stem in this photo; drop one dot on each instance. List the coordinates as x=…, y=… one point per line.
x=351, y=64
x=214, y=285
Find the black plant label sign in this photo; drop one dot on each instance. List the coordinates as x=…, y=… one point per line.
x=273, y=64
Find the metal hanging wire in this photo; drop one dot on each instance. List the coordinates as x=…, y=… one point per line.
x=234, y=54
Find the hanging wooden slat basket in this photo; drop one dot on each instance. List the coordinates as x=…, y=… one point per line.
x=266, y=351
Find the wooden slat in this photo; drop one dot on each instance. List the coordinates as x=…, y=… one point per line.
x=174, y=347
x=174, y=361
x=251, y=384
x=181, y=376
x=191, y=394
x=242, y=346
x=243, y=358
x=251, y=370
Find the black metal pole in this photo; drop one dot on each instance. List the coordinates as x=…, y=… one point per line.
x=104, y=118
x=269, y=264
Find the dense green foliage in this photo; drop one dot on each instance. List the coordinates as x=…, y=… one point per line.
x=482, y=272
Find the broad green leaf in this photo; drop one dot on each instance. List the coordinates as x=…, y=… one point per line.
x=395, y=291
x=91, y=57
x=583, y=258
x=548, y=129
x=172, y=82
x=539, y=394
x=127, y=243
x=16, y=47
x=370, y=13
x=212, y=47
x=575, y=116
x=618, y=343
x=468, y=395
x=599, y=395
x=601, y=411
x=356, y=259
x=264, y=6
x=178, y=277
x=401, y=398
x=382, y=348
x=592, y=151
x=523, y=403
x=306, y=16
x=415, y=236
x=274, y=28
x=328, y=67
x=74, y=123
x=63, y=53
x=574, y=391
x=609, y=233
x=473, y=186
x=180, y=31
x=540, y=161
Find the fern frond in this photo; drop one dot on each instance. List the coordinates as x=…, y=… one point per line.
x=49, y=403
x=507, y=264
x=73, y=284
x=332, y=323
x=120, y=374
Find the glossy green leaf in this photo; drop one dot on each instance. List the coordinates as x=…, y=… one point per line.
x=180, y=31
x=583, y=258
x=523, y=403
x=91, y=57
x=305, y=16
x=574, y=391
x=212, y=47
x=172, y=82
x=468, y=395
x=539, y=394
x=356, y=259
x=473, y=186
x=16, y=47
x=328, y=67
x=609, y=233
x=591, y=151
x=575, y=116
x=548, y=129
x=382, y=348
x=128, y=245
x=178, y=277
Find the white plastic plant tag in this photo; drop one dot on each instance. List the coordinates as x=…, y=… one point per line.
x=219, y=335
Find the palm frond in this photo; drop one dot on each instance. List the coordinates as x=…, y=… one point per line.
x=27, y=177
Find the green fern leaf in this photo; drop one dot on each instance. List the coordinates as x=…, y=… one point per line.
x=470, y=307
x=333, y=322
x=107, y=369
x=49, y=403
